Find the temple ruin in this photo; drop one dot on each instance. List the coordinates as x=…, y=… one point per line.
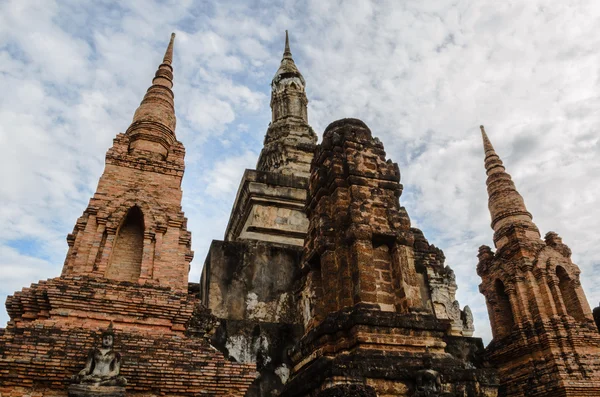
x=321, y=287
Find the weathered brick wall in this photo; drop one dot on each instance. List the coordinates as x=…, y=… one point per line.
x=160, y=333
x=545, y=340
x=154, y=186
x=382, y=263
x=533, y=361
x=385, y=351
x=78, y=300
x=43, y=358
x=354, y=212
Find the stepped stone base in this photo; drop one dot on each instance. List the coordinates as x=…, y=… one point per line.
x=96, y=391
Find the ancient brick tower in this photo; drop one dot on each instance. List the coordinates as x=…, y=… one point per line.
x=545, y=340
x=373, y=321
x=134, y=229
x=128, y=262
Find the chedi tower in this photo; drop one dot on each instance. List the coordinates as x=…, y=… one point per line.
x=545, y=340
x=127, y=265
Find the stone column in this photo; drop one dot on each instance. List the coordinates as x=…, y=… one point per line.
x=585, y=306
x=97, y=245
x=361, y=257
x=511, y=291
x=560, y=304
x=403, y=269
x=147, y=256
x=85, y=228
x=539, y=302
x=329, y=274
x=111, y=234
x=548, y=302
x=523, y=298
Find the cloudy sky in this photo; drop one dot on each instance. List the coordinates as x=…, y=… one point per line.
x=422, y=74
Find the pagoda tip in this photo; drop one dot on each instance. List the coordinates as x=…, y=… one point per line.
x=287, y=52
x=487, y=145
x=168, y=58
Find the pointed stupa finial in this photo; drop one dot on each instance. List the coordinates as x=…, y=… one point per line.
x=154, y=120
x=168, y=58
x=506, y=205
x=492, y=160
x=487, y=145
x=287, y=53
x=287, y=68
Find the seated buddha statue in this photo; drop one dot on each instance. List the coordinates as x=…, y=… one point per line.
x=103, y=364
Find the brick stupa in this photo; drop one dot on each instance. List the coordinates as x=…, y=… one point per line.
x=128, y=262
x=370, y=300
x=545, y=340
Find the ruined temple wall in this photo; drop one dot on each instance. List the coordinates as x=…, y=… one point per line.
x=162, y=335
x=556, y=357
x=545, y=340
x=39, y=360
x=250, y=286
x=372, y=285
x=251, y=280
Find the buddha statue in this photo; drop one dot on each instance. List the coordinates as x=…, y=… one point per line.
x=428, y=381
x=103, y=364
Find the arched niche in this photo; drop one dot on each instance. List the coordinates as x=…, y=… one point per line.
x=568, y=292
x=504, y=318
x=126, y=258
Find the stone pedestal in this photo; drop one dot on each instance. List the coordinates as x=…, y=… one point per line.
x=96, y=391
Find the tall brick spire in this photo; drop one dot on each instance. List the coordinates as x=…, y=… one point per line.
x=127, y=266
x=153, y=126
x=134, y=229
x=535, y=300
x=506, y=205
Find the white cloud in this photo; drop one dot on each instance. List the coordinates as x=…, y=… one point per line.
x=223, y=180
